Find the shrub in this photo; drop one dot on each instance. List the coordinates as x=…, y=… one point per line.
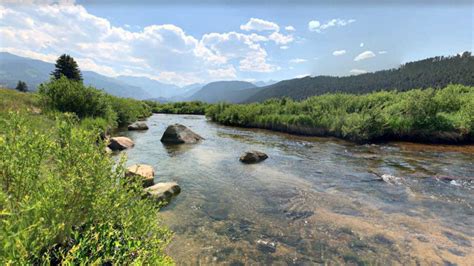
x=62, y=200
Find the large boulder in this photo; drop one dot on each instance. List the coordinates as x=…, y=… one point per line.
x=120, y=143
x=253, y=157
x=143, y=171
x=178, y=134
x=138, y=126
x=163, y=191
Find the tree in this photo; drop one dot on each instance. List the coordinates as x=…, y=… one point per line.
x=67, y=66
x=21, y=86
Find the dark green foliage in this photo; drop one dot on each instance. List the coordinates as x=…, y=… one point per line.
x=436, y=72
x=67, y=66
x=195, y=108
x=87, y=102
x=62, y=200
x=430, y=115
x=21, y=86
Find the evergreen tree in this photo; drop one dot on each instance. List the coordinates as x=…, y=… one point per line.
x=21, y=86
x=67, y=66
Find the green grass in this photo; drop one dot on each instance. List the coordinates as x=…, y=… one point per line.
x=62, y=199
x=430, y=115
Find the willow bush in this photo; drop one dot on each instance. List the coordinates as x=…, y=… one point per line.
x=63, y=200
x=432, y=115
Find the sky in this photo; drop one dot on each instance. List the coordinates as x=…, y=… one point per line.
x=181, y=43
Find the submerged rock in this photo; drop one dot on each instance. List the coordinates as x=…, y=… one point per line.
x=163, y=191
x=143, y=171
x=178, y=134
x=253, y=157
x=266, y=246
x=120, y=143
x=138, y=126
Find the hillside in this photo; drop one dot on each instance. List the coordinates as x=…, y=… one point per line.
x=225, y=91
x=34, y=72
x=432, y=72
x=155, y=88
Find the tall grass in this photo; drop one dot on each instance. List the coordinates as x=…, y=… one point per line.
x=62, y=200
x=430, y=115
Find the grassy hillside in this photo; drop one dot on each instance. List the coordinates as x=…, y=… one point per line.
x=431, y=115
x=436, y=72
x=63, y=200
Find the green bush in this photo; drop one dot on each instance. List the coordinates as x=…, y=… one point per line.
x=62, y=200
x=381, y=115
x=67, y=95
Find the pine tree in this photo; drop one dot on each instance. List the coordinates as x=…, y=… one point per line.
x=21, y=86
x=67, y=66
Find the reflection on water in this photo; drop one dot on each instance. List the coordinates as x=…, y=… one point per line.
x=315, y=200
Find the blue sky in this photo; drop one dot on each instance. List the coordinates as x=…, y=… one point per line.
x=185, y=43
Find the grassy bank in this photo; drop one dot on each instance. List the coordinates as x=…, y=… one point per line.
x=431, y=115
x=190, y=108
x=62, y=199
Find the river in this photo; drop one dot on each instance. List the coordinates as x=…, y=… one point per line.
x=315, y=200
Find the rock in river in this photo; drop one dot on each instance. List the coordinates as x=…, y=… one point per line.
x=178, y=134
x=253, y=157
x=143, y=171
x=163, y=191
x=120, y=143
x=138, y=126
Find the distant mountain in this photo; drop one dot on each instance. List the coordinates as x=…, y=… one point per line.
x=227, y=91
x=34, y=72
x=155, y=88
x=265, y=83
x=431, y=72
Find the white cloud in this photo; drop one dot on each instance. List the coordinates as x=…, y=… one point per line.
x=284, y=47
x=163, y=52
x=279, y=38
x=302, y=76
x=339, y=52
x=357, y=71
x=315, y=25
x=223, y=73
x=256, y=24
x=382, y=52
x=298, y=60
x=364, y=55
x=290, y=28
x=361, y=44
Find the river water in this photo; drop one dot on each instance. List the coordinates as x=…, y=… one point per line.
x=315, y=200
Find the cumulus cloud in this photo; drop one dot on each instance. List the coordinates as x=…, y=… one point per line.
x=256, y=24
x=290, y=28
x=316, y=26
x=357, y=71
x=382, y=52
x=284, y=47
x=364, y=55
x=339, y=52
x=298, y=60
x=163, y=52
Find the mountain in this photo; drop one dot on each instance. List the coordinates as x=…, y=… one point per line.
x=155, y=88
x=432, y=72
x=227, y=91
x=34, y=72
x=262, y=83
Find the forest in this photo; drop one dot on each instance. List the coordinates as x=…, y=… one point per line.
x=443, y=115
x=435, y=72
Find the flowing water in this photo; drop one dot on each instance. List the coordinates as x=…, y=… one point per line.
x=315, y=200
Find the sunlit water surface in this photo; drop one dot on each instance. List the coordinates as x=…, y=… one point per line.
x=315, y=200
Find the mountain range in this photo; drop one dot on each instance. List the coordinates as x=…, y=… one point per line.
x=431, y=72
